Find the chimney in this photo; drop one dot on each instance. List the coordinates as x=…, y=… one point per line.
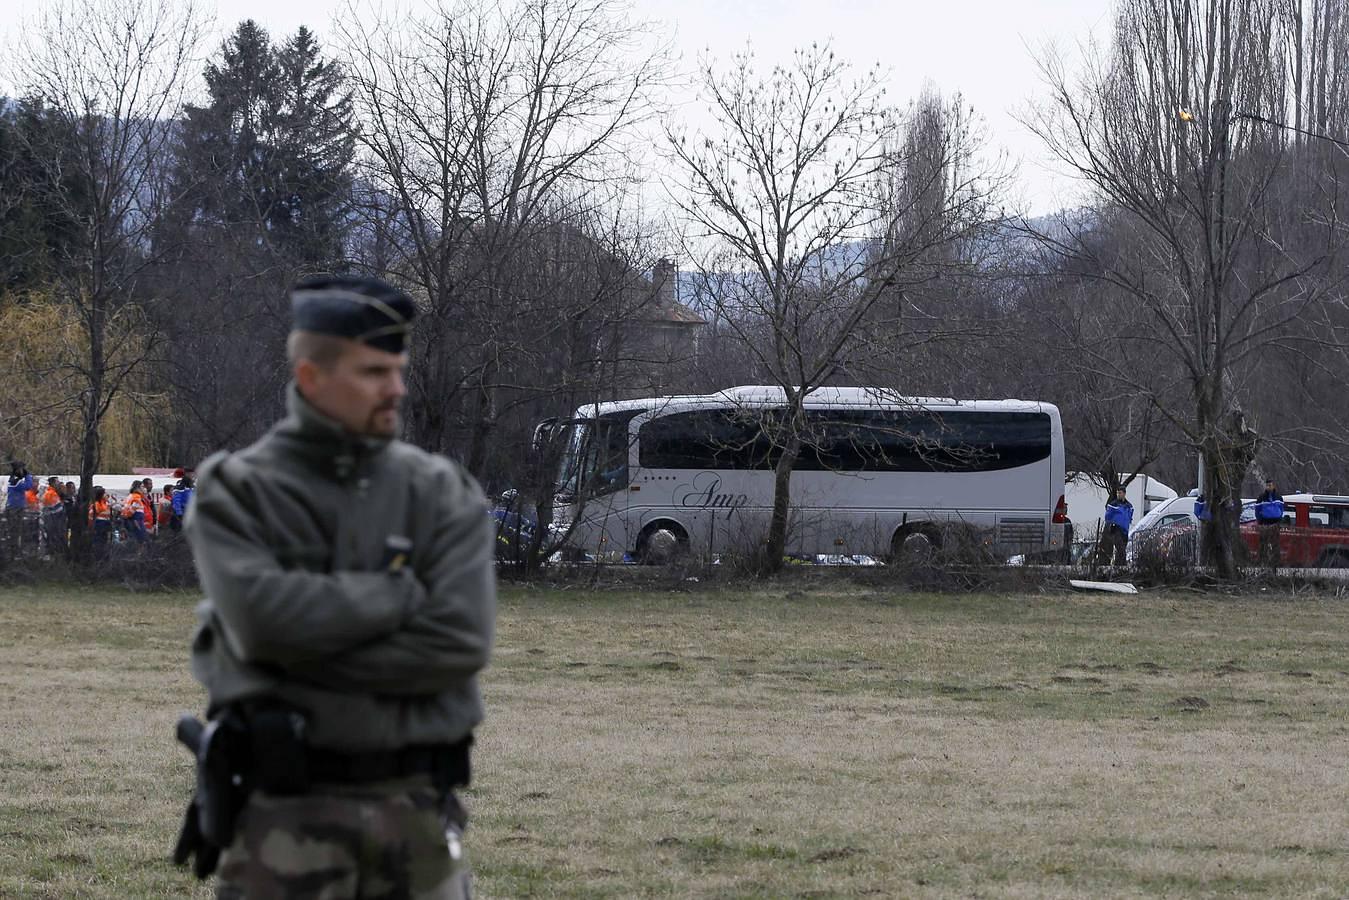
x=665, y=283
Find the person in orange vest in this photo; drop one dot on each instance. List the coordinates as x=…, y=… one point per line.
x=133, y=515
x=51, y=494
x=100, y=519
x=54, y=515
x=32, y=526
x=148, y=506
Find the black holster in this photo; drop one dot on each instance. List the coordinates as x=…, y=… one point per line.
x=254, y=746
x=221, y=750
x=453, y=770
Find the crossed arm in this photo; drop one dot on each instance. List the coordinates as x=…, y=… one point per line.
x=422, y=630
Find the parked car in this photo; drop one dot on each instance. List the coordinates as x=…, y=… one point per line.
x=1166, y=513
x=1166, y=532
x=1170, y=533
x=1314, y=532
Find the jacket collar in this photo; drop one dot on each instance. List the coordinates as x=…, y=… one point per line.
x=324, y=442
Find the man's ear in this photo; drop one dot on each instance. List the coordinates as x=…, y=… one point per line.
x=306, y=376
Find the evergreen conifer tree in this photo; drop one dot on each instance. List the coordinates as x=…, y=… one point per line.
x=267, y=159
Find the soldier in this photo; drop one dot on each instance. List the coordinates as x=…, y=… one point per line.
x=350, y=605
x=1119, y=515
x=1269, y=516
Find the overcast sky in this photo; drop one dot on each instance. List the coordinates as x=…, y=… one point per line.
x=986, y=49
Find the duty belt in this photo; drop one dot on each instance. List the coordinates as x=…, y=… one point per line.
x=447, y=764
x=327, y=765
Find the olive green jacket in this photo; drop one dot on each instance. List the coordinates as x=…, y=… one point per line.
x=290, y=538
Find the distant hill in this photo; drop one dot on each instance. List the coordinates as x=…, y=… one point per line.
x=1005, y=243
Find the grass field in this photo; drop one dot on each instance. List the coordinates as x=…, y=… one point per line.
x=767, y=742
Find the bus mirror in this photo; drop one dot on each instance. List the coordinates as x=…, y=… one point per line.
x=543, y=434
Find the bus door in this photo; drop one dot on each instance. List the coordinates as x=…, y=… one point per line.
x=596, y=480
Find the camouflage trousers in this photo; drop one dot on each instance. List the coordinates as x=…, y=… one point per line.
x=384, y=840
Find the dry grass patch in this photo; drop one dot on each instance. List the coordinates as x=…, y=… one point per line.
x=831, y=742
x=859, y=744
x=92, y=786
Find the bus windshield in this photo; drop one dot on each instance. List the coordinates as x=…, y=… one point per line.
x=577, y=434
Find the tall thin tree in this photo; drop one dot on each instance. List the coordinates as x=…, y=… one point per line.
x=112, y=74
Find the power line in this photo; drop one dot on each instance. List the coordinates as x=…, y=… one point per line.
x=1284, y=125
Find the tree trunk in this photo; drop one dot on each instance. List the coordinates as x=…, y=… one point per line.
x=1224, y=499
x=80, y=546
x=480, y=437
x=1228, y=448
x=776, y=546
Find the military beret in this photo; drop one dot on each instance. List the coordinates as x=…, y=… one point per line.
x=362, y=309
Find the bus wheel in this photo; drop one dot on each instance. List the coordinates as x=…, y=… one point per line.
x=914, y=546
x=660, y=543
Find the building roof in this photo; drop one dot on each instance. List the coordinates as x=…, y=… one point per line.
x=664, y=306
x=672, y=313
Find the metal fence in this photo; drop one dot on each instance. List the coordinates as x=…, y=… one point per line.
x=38, y=542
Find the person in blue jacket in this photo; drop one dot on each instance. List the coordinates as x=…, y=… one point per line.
x=16, y=501
x=20, y=483
x=182, y=496
x=1268, y=518
x=1119, y=515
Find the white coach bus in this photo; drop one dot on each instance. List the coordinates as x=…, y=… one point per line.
x=878, y=474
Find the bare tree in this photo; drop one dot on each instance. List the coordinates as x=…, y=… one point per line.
x=1102, y=352
x=1311, y=37
x=112, y=72
x=809, y=213
x=1205, y=241
x=486, y=129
